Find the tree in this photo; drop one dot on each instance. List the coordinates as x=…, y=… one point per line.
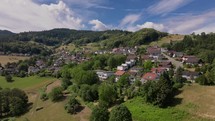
x=99, y=114
x=202, y=80
x=178, y=76
x=120, y=113
x=107, y=94
x=72, y=105
x=148, y=65
x=56, y=94
x=86, y=93
x=123, y=81
x=137, y=83
x=16, y=106
x=111, y=62
x=160, y=92
x=8, y=78
x=65, y=83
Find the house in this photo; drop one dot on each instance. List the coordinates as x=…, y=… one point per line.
x=159, y=70
x=154, y=50
x=130, y=63
x=135, y=74
x=147, y=58
x=136, y=69
x=175, y=54
x=190, y=75
x=33, y=70
x=103, y=75
x=191, y=60
x=41, y=64
x=149, y=77
x=166, y=64
x=118, y=74
x=123, y=67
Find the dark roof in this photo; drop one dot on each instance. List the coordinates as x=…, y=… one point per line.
x=190, y=73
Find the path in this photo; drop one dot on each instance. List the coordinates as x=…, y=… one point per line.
x=174, y=62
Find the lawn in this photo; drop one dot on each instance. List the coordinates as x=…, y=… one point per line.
x=5, y=59
x=27, y=83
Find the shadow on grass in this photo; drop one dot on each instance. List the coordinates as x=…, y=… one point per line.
x=79, y=109
x=176, y=101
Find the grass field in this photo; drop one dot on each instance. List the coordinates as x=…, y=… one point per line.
x=27, y=83
x=5, y=59
x=71, y=47
x=54, y=112
x=167, y=39
x=202, y=98
x=198, y=104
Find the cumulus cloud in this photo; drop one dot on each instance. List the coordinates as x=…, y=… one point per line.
x=156, y=26
x=98, y=25
x=137, y=27
x=166, y=6
x=25, y=15
x=130, y=19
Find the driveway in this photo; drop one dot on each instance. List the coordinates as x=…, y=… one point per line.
x=177, y=64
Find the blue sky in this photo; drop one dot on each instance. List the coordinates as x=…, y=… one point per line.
x=173, y=16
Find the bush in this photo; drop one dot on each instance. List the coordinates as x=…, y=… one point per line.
x=56, y=94
x=44, y=96
x=72, y=105
x=99, y=114
x=8, y=78
x=120, y=113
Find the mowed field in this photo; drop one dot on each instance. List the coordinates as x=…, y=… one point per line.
x=27, y=83
x=167, y=39
x=5, y=59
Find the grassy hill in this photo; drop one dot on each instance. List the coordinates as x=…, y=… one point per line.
x=194, y=103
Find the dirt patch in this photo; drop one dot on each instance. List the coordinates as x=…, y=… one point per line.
x=53, y=85
x=83, y=115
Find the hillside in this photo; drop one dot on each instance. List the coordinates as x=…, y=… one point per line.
x=57, y=37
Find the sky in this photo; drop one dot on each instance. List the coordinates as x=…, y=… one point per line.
x=173, y=16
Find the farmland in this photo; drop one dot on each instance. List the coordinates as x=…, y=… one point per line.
x=5, y=59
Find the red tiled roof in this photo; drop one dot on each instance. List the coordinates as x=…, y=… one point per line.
x=119, y=73
x=158, y=70
x=150, y=76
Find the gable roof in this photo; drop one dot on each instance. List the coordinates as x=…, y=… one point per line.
x=119, y=73
x=150, y=76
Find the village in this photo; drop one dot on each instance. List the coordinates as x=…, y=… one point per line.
x=162, y=60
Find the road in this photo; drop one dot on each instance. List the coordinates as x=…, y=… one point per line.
x=177, y=64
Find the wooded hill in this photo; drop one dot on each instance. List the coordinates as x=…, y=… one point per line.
x=18, y=43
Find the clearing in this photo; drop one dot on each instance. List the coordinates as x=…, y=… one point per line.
x=4, y=59
x=167, y=39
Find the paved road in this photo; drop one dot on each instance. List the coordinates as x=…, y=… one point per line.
x=177, y=64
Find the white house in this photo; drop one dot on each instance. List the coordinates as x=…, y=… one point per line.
x=103, y=75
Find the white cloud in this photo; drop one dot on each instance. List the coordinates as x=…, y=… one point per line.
x=156, y=26
x=130, y=19
x=25, y=15
x=137, y=27
x=166, y=6
x=190, y=23
x=98, y=25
